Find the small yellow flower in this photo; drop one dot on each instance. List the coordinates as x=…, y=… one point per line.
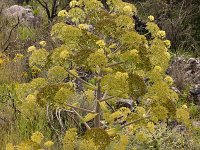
x=84, y=26
x=150, y=127
x=151, y=18
x=19, y=56
x=128, y=9
x=158, y=68
x=169, y=80
x=62, y=13
x=73, y=3
x=48, y=143
x=168, y=55
x=43, y=43
x=64, y=54
x=184, y=106
x=31, y=48
x=141, y=136
x=134, y=52
x=167, y=43
x=37, y=137
x=101, y=43
x=161, y=34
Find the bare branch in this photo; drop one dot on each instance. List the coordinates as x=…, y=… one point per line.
x=87, y=126
x=10, y=33
x=130, y=123
x=108, y=98
x=83, y=81
x=82, y=109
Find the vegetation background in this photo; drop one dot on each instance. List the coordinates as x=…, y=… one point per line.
x=29, y=120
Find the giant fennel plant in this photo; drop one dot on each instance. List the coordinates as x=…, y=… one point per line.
x=119, y=63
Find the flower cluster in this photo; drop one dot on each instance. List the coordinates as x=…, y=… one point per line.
x=73, y=3
x=43, y=43
x=37, y=137
x=84, y=26
x=57, y=74
x=31, y=48
x=38, y=58
x=161, y=34
x=151, y=18
x=97, y=58
x=62, y=13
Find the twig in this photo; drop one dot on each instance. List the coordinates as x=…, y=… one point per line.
x=11, y=33
x=83, y=81
x=87, y=126
x=114, y=64
x=59, y=118
x=130, y=123
x=108, y=98
x=49, y=120
x=82, y=109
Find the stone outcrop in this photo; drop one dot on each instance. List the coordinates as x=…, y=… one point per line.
x=186, y=72
x=25, y=14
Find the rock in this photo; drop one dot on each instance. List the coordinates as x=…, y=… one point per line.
x=196, y=124
x=180, y=128
x=124, y=103
x=25, y=14
x=186, y=72
x=195, y=92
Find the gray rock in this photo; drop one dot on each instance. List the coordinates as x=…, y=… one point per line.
x=25, y=14
x=196, y=124
x=124, y=103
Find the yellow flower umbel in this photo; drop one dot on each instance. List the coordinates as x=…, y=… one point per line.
x=140, y=136
x=43, y=43
x=37, y=137
x=151, y=18
x=73, y=4
x=161, y=34
x=169, y=80
x=84, y=26
x=167, y=43
x=64, y=54
x=128, y=10
x=157, y=68
x=31, y=48
x=101, y=43
x=48, y=144
x=184, y=106
x=62, y=13
x=150, y=127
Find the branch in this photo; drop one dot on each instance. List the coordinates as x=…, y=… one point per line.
x=87, y=126
x=114, y=64
x=82, y=109
x=45, y=6
x=83, y=81
x=130, y=123
x=11, y=32
x=108, y=98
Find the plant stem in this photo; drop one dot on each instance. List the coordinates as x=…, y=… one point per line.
x=87, y=126
x=83, y=81
x=82, y=109
x=98, y=109
x=130, y=123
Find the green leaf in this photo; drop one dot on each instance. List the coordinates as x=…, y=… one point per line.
x=89, y=117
